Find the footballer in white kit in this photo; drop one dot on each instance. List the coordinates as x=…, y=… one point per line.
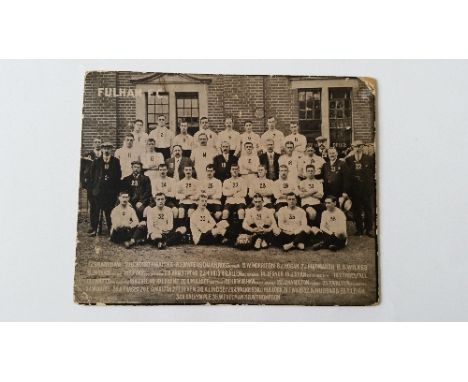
x=282, y=187
x=213, y=188
x=151, y=160
x=311, y=192
x=291, y=160
x=126, y=155
x=163, y=137
x=299, y=140
x=263, y=186
x=310, y=157
x=249, y=136
x=274, y=134
x=332, y=234
x=210, y=134
x=140, y=137
x=248, y=163
x=184, y=140
x=292, y=221
x=235, y=190
x=229, y=135
x=202, y=156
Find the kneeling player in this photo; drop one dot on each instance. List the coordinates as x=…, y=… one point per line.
x=235, y=190
x=160, y=224
x=332, y=234
x=310, y=192
x=213, y=188
x=263, y=186
x=282, y=187
x=204, y=229
x=260, y=222
x=187, y=195
x=124, y=222
x=292, y=221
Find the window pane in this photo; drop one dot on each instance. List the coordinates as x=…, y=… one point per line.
x=302, y=114
x=195, y=103
x=165, y=109
x=195, y=113
x=180, y=103
x=301, y=96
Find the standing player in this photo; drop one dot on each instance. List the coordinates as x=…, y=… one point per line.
x=167, y=186
x=138, y=187
x=222, y=163
x=332, y=233
x=292, y=221
x=235, y=191
x=260, y=222
x=230, y=135
x=248, y=163
x=151, y=160
x=184, y=140
x=211, y=135
x=204, y=229
x=202, y=156
x=311, y=192
x=274, y=134
x=282, y=188
x=270, y=160
x=310, y=158
x=213, y=188
x=140, y=136
x=249, y=136
x=291, y=160
x=299, y=140
x=160, y=224
x=127, y=154
x=163, y=137
x=262, y=186
x=124, y=222
x=187, y=191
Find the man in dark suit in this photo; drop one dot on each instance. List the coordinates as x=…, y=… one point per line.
x=360, y=185
x=104, y=181
x=176, y=164
x=222, y=163
x=87, y=161
x=138, y=187
x=270, y=160
x=333, y=173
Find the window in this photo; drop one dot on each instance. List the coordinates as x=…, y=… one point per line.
x=310, y=112
x=340, y=116
x=187, y=110
x=156, y=104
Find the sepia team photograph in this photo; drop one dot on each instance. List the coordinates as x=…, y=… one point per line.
x=227, y=189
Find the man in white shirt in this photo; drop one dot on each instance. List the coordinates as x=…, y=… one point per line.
x=273, y=133
x=263, y=186
x=213, y=188
x=202, y=156
x=187, y=192
x=140, y=136
x=127, y=154
x=205, y=231
x=282, y=187
x=167, y=186
x=248, y=163
x=163, y=137
x=299, y=140
x=151, y=160
x=160, y=224
x=291, y=160
x=211, y=135
x=311, y=192
x=124, y=222
x=310, y=157
x=292, y=221
x=332, y=234
x=249, y=136
x=235, y=191
x=229, y=135
x=184, y=139
x=260, y=222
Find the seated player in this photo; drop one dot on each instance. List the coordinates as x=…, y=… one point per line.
x=292, y=221
x=138, y=187
x=127, y=154
x=151, y=160
x=282, y=187
x=291, y=160
x=310, y=157
x=260, y=222
x=184, y=139
x=263, y=186
x=167, y=186
x=124, y=222
x=332, y=234
x=249, y=136
x=187, y=195
x=299, y=140
x=204, y=229
x=311, y=192
x=160, y=224
x=213, y=188
x=235, y=191
x=248, y=163
x=202, y=156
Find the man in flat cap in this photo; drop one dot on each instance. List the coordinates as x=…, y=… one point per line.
x=360, y=185
x=104, y=181
x=138, y=187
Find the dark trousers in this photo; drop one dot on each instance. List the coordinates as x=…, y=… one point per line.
x=284, y=238
x=120, y=235
x=165, y=151
x=139, y=211
x=269, y=237
x=208, y=238
x=328, y=240
x=363, y=204
x=186, y=153
x=170, y=238
x=101, y=203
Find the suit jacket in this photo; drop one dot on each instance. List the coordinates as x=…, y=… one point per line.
x=360, y=178
x=222, y=167
x=102, y=181
x=170, y=162
x=334, y=178
x=139, y=188
x=264, y=161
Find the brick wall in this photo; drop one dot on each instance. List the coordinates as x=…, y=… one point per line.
x=126, y=107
